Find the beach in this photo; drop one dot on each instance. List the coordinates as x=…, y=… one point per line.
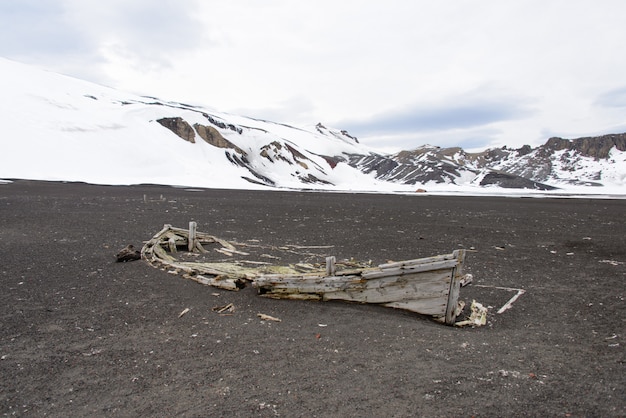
x=83, y=335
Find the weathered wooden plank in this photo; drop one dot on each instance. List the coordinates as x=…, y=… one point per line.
x=330, y=265
x=439, y=277
x=292, y=296
x=376, y=273
x=424, y=306
x=359, y=290
x=209, y=239
x=223, y=251
x=160, y=252
x=199, y=247
x=305, y=283
x=236, y=273
x=349, y=272
x=400, y=290
x=418, y=261
x=296, y=280
x=455, y=286
x=191, y=238
x=413, y=269
x=227, y=284
x=172, y=244
x=437, y=265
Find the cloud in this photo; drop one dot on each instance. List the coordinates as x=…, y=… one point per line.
x=471, y=139
x=140, y=32
x=294, y=110
x=612, y=98
x=37, y=27
x=461, y=114
x=137, y=33
x=398, y=69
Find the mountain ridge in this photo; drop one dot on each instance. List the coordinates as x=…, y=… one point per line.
x=60, y=128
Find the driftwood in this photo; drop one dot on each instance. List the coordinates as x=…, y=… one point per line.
x=427, y=286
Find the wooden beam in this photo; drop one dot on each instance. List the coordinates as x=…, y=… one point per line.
x=455, y=287
x=191, y=241
x=330, y=265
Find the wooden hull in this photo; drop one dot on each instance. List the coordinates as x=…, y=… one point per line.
x=428, y=286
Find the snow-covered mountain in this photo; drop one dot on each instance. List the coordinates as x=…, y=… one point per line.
x=60, y=128
x=557, y=164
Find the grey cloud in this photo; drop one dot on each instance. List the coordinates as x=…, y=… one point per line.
x=31, y=27
x=613, y=98
x=151, y=31
x=459, y=115
x=294, y=110
x=470, y=139
x=146, y=33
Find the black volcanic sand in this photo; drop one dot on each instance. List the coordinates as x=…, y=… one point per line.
x=82, y=335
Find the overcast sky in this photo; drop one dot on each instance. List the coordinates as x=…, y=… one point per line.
x=396, y=73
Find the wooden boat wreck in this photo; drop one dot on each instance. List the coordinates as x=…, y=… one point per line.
x=428, y=286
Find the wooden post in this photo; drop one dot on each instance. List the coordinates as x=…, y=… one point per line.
x=330, y=265
x=455, y=284
x=191, y=243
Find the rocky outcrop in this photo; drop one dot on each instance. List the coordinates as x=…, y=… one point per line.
x=272, y=150
x=180, y=127
x=596, y=147
x=208, y=133
x=222, y=124
x=408, y=167
x=339, y=134
x=526, y=149
x=213, y=137
x=275, y=151
x=311, y=179
x=511, y=181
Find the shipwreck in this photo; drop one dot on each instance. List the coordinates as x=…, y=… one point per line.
x=428, y=286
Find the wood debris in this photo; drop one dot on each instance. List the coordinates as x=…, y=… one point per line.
x=267, y=317
x=226, y=308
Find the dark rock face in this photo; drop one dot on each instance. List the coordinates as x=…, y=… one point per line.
x=311, y=179
x=273, y=148
x=333, y=161
x=272, y=151
x=180, y=127
x=596, y=147
x=534, y=165
x=406, y=167
x=222, y=124
x=342, y=134
x=511, y=181
x=354, y=138
x=526, y=149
